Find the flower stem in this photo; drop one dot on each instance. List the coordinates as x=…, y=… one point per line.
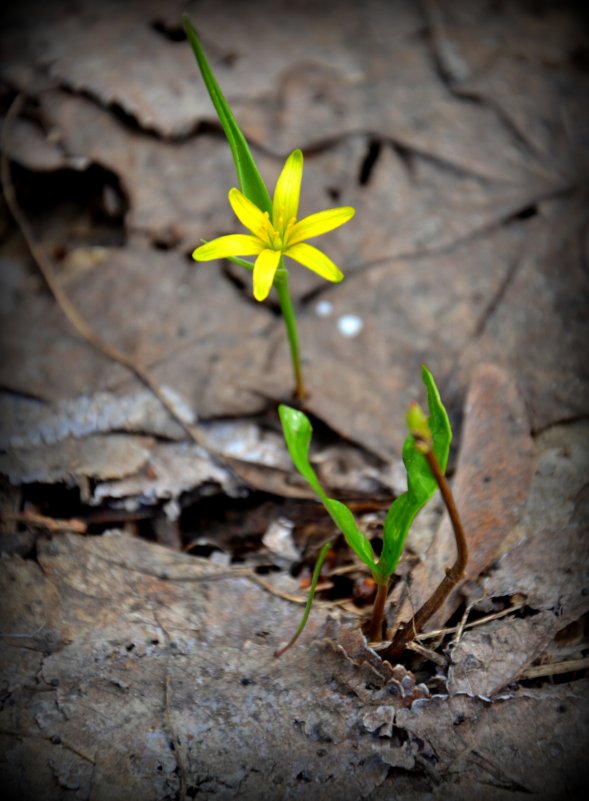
x=290, y=321
x=382, y=591
x=408, y=631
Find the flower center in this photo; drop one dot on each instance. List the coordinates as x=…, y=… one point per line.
x=277, y=235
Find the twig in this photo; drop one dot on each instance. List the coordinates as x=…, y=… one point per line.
x=232, y=572
x=415, y=645
x=61, y=298
x=48, y=523
x=553, y=669
x=462, y=624
x=433, y=656
x=430, y=635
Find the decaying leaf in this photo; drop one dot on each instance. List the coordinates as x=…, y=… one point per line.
x=152, y=682
x=457, y=131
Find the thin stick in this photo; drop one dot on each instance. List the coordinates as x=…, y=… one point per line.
x=570, y=666
x=428, y=635
x=433, y=656
x=48, y=523
x=462, y=624
x=408, y=631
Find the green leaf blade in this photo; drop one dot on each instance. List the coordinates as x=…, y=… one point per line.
x=250, y=180
x=438, y=420
x=297, y=434
x=346, y=522
x=297, y=431
x=421, y=485
x=316, y=573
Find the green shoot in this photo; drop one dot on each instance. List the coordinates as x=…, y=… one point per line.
x=421, y=486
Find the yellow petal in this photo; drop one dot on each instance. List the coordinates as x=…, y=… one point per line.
x=315, y=260
x=264, y=272
x=287, y=192
x=320, y=223
x=226, y=246
x=249, y=214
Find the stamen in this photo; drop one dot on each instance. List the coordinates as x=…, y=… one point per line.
x=268, y=232
x=290, y=225
x=276, y=240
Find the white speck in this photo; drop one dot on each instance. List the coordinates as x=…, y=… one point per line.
x=350, y=325
x=323, y=308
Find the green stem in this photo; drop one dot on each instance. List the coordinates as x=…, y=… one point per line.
x=290, y=321
x=408, y=631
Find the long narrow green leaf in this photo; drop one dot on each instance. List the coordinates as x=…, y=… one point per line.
x=297, y=434
x=249, y=177
x=421, y=485
x=439, y=423
x=316, y=573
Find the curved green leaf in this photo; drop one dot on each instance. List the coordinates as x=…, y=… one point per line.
x=421, y=485
x=250, y=180
x=297, y=434
x=316, y=573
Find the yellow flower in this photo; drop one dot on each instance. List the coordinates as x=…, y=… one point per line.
x=270, y=239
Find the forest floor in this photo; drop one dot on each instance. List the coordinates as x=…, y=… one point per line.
x=156, y=541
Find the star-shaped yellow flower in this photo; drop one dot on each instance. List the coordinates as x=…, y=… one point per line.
x=283, y=235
